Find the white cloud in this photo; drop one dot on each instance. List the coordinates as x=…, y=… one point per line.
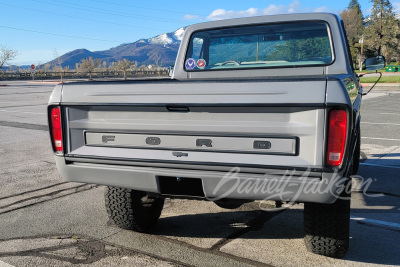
x=190, y=17
x=224, y=14
x=322, y=9
x=294, y=7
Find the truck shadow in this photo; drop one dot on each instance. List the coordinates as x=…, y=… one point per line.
x=219, y=225
x=368, y=243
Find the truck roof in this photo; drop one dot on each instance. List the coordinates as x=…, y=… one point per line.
x=340, y=64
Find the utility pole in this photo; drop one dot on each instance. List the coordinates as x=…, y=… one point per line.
x=380, y=30
x=360, y=60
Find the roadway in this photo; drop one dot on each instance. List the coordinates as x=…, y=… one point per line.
x=45, y=221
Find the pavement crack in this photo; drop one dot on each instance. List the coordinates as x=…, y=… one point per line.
x=43, y=253
x=75, y=249
x=103, y=238
x=22, y=125
x=394, y=148
x=78, y=189
x=32, y=191
x=43, y=195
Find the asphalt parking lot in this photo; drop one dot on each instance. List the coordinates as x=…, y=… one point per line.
x=45, y=221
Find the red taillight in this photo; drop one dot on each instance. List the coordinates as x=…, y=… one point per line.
x=56, y=131
x=336, y=137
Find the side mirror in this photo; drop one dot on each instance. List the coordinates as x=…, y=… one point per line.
x=375, y=63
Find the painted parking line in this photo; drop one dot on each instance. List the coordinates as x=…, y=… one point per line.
x=374, y=95
x=381, y=123
x=383, y=224
x=376, y=138
x=398, y=114
x=25, y=112
x=378, y=165
x=46, y=82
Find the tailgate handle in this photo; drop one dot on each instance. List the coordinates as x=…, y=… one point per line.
x=178, y=108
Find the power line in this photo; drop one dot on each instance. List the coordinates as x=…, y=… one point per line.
x=76, y=17
x=146, y=8
x=105, y=11
x=57, y=34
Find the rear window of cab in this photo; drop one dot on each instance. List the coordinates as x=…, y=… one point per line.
x=261, y=46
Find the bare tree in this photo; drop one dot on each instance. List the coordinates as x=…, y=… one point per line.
x=124, y=65
x=88, y=65
x=47, y=67
x=104, y=66
x=58, y=66
x=6, y=54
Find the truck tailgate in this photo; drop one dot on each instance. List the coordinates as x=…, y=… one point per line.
x=257, y=124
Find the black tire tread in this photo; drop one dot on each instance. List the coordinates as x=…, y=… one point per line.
x=326, y=228
x=126, y=210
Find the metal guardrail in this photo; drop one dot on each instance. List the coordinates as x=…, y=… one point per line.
x=39, y=75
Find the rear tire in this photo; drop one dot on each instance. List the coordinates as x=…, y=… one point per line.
x=131, y=209
x=326, y=228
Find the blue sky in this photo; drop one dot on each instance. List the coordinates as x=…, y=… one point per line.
x=39, y=29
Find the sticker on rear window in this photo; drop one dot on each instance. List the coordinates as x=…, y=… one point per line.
x=201, y=63
x=190, y=64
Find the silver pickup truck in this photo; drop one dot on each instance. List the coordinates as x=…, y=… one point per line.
x=260, y=108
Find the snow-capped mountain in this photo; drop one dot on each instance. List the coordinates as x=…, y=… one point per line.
x=160, y=50
x=168, y=38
